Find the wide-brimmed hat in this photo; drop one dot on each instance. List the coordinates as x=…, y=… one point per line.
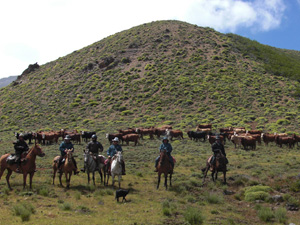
x=21, y=135
x=116, y=139
x=67, y=137
x=165, y=138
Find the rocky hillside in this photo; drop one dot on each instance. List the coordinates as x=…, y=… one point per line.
x=160, y=72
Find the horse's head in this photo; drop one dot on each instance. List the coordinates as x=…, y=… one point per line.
x=38, y=151
x=163, y=155
x=119, y=156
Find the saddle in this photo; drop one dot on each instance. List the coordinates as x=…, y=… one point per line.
x=11, y=159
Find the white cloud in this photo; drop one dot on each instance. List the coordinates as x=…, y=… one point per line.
x=229, y=15
x=41, y=31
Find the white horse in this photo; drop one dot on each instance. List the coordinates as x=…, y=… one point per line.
x=90, y=166
x=116, y=167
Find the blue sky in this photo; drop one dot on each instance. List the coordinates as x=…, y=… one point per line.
x=42, y=31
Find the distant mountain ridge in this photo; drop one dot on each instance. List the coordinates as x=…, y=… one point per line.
x=7, y=80
x=160, y=72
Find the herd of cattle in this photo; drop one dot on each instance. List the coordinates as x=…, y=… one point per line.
x=239, y=136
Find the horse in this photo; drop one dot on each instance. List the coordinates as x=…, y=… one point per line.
x=164, y=166
x=220, y=166
x=67, y=168
x=116, y=168
x=27, y=166
x=90, y=166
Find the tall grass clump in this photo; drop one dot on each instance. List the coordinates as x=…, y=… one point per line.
x=66, y=206
x=280, y=215
x=214, y=198
x=193, y=216
x=258, y=192
x=265, y=214
x=24, y=210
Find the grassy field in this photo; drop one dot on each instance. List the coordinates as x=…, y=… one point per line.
x=273, y=169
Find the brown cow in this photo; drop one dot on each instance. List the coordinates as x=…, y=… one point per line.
x=267, y=138
x=236, y=140
x=279, y=140
x=212, y=139
x=254, y=132
x=297, y=138
x=174, y=133
x=158, y=132
x=248, y=141
x=128, y=131
x=143, y=131
x=204, y=126
x=131, y=137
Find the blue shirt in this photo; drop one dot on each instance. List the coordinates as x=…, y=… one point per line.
x=113, y=149
x=166, y=146
x=63, y=146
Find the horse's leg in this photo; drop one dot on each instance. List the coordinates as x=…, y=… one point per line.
x=30, y=179
x=171, y=179
x=166, y=180
x=54, y=173
x=24, y=179
x=119, y=180
x=60, y=175
x=68, y=177
x=94, y=178
x=224, y=176
x=100, y=173
x=158, y=180
x=216, y=177
x=213, y=176
x=205, y=173
x=7, y=178
x=88, y=175
x=113, y=179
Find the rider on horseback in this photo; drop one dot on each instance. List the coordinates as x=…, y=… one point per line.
x=64, y=146
x=20, y=147
x=94, y=147
x=216, y=147
x=168, y=147
x=112, y=150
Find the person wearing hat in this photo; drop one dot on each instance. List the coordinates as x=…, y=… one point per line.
x=165, y=145
x=63, y=147
x=215, y=147
x=94, y=147
x=112, y=150
x=20, y=147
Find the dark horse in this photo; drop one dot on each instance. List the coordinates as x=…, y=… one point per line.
x=27, y=166
x=220, y=166
x=164, y=166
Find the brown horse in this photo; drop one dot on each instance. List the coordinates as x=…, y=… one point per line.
x=220, y=166
x=67, y=168
x=27, y=166
x=164, y=166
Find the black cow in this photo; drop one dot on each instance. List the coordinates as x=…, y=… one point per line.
x=27, y=136
x=86, y=135
x=197, y=135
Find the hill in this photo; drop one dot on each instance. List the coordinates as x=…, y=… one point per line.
x=7, y=80
x=161, y=71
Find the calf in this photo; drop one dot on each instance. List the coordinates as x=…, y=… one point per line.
x=121, y=193
x=143, y=131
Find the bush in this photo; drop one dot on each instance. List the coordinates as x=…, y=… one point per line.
x=214, y=198
x=258, y=192
x=280, y=215
x=193, y=216
x=265, y=214
x=24, y=210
